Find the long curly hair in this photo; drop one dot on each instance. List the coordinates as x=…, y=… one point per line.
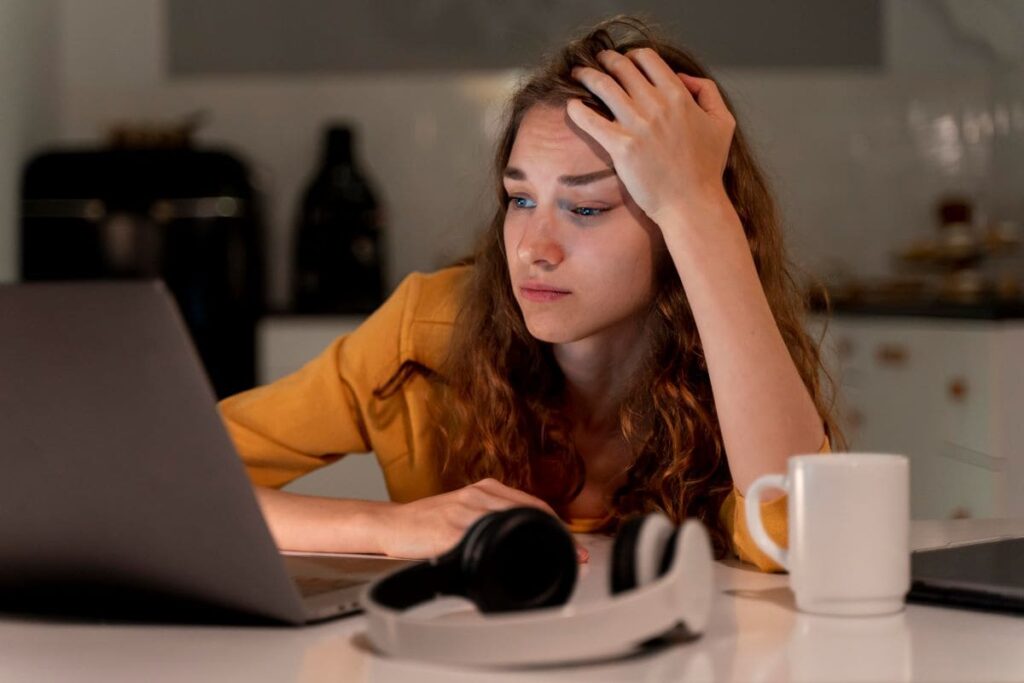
x=500, y=409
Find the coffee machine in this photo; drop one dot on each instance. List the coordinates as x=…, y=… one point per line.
x=186, y=215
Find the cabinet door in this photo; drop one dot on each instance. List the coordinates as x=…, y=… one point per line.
x=921, y=388
x=962, y=361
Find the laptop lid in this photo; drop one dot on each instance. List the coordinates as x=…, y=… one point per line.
x=985, y=575
x=117, y=470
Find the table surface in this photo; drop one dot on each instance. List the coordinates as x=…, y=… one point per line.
x=755, y=634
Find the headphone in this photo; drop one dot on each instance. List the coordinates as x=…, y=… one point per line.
x=518, y=567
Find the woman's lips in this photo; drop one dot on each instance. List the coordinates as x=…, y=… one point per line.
x=543, y=294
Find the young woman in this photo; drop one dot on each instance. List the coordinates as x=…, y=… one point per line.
x=627, y=336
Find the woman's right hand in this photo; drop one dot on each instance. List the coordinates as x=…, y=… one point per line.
x=431, y=526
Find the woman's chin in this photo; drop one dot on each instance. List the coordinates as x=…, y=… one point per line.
x=552, y=334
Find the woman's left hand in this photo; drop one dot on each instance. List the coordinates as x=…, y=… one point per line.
x=671, y=135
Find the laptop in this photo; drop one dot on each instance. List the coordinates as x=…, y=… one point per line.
x=986, y=575
x=121, y=492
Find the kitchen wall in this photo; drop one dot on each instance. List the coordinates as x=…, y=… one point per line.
x=857, y=156
x=29, y=92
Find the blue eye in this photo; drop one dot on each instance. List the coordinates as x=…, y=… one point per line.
x=515, y=202
x=580, y=211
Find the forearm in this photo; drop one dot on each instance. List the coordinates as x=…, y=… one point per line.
x=765, y=410
x=311, y=523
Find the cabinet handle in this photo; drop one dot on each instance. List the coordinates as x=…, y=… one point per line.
x=960, y=512
x=892, y=355
x=958, y=389
x=855, y=419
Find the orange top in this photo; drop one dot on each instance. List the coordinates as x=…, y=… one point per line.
x=326, y=409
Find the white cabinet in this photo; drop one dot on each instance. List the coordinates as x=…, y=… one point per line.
x=284, y=344
x=947, y=393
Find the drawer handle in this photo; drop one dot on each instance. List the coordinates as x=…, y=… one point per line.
x=960, y=512
x=958, y=389
x=891, y=355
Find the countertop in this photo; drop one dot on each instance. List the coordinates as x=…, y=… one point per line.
x=755, y=634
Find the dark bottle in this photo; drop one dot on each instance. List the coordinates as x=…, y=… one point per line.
x=338, y=250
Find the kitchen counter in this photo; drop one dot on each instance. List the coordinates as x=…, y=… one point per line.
x=755, y=634
x=986, y=309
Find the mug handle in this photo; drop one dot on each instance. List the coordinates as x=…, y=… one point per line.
x=754, y=522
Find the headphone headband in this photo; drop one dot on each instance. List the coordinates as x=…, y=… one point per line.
x=682, y=595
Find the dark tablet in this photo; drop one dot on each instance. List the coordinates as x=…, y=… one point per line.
x=988, y=575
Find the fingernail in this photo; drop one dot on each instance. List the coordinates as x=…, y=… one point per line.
x=582, y=554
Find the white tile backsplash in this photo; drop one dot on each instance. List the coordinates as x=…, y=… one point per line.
x=857, y=159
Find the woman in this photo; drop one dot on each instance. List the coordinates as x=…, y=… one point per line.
x=627, y=336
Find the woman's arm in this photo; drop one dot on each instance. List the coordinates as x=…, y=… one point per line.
x=419, y=529
x=316, y=524
x=670, y=144
x=764, y=408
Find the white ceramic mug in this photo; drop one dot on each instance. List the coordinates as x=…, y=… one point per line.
x=849, y=531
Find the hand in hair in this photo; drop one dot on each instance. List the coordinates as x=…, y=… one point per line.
x=430, y=526
x=671, y=135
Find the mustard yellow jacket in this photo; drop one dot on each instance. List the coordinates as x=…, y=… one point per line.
x=326, y=409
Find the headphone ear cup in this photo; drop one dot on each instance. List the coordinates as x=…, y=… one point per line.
x=623, y=565
x=520, y=558
x=639, y=551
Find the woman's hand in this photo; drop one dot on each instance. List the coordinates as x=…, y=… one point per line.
x=431, y=526
x=670, y=139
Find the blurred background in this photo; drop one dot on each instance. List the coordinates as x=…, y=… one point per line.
x=283, y=165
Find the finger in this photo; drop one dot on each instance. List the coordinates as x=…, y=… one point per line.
x=496, y=488
x=593, y=124
x=706, y=93
x=654, y=67
x=610, y=92
x=638, y=87
x=582, y=554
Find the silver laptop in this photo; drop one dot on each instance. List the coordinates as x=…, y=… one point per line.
x=121, y=494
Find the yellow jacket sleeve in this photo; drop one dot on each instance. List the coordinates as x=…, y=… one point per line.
x=775, y=516
x=318, y=414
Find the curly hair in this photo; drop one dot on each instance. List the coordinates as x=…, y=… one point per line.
x=500, y=408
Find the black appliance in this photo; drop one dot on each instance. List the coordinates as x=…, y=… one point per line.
x=189, y=216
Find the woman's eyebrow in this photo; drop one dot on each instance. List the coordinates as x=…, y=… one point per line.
x=513, y=173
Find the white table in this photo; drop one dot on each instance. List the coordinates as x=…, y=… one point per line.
x=754, y=635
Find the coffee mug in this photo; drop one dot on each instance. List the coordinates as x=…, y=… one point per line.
x=849, y=531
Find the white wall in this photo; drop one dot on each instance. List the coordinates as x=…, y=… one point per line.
x=28, y=105
x=858, y=159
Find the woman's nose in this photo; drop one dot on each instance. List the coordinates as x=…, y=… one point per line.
x=539, y=245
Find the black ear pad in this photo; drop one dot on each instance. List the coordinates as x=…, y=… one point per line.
x=623, y=565
x=516, y=559
x=643, y=551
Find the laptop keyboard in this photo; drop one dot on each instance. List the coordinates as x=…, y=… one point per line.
x=310, y=586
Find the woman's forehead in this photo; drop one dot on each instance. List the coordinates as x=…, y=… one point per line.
x=547, y=139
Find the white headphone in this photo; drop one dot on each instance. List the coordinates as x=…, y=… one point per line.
x=518, y=567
